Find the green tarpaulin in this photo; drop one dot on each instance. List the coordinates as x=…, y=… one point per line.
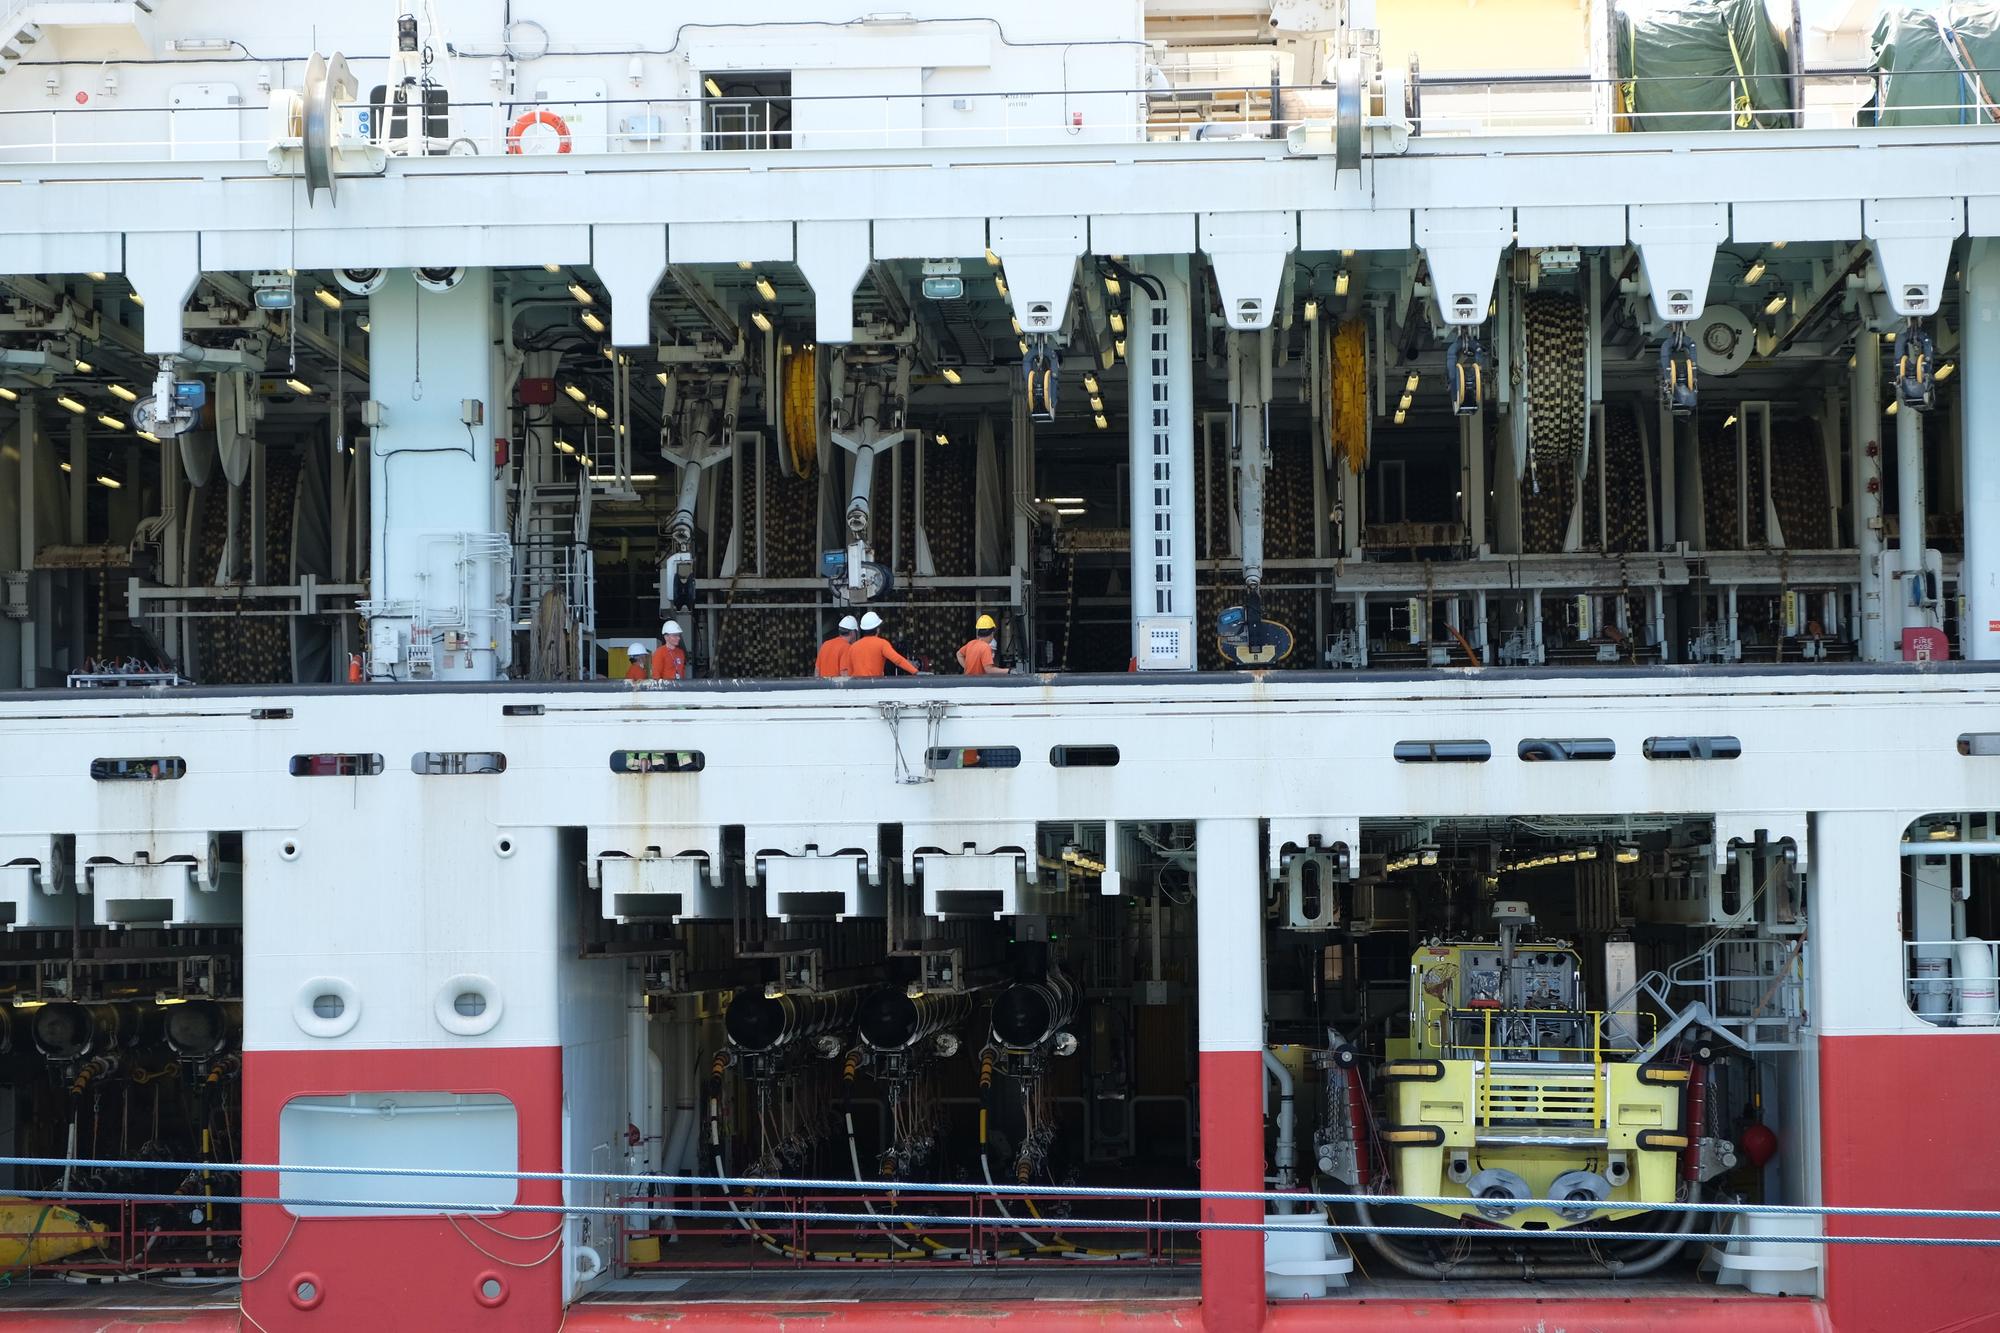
x=1703, y=65
x=1937, y=67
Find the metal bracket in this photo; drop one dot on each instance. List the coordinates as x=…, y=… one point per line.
x=1463, y=248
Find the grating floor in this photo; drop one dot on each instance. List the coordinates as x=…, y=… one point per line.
x=141, y=1294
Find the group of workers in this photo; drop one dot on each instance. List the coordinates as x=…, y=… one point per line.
x=857, y=648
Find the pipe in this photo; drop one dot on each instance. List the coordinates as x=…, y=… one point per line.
x=1695, y=1117
x=760, y=1023
x=1674, y=1237
x=890, y=1020
x=1029, y=1013
x=1865, y=481
x=1979, y=576
x=1917, y=608
x=1357, y=1122
x=1287, y=1149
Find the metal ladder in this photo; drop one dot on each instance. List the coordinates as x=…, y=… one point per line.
x=552, y=554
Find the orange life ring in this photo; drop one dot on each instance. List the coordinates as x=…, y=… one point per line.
x=539, y=116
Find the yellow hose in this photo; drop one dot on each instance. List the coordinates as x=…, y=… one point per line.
x=1347, y=384
x=801, y=409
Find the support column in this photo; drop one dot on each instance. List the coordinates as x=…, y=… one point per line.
x=1979, y=581
x=1229, y=924
x=78, y=646
x=436, y=548
x=1160, y=376
x=1919, y=612
x=1865, y=465
x=1472, y=478
x=28, y=436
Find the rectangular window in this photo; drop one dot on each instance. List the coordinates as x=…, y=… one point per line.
x=1980, y=744
x=1084, y=756
x=456, y=1131
x=1693, y=747
x=1537, y=748
x=658, y=761
x=942, y=757
x=1443, y=752
x=336, y=765
x=159, y=768
x=451, y=763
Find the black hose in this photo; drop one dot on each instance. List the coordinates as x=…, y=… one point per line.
x=1526, y=1267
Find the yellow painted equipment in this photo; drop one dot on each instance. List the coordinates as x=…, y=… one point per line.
x=33, y=1232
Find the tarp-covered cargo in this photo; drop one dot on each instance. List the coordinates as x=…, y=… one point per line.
x=1702, y=65
x=1937, y=66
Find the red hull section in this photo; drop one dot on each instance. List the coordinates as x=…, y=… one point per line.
x=1906, y=1121
x=389, y=1274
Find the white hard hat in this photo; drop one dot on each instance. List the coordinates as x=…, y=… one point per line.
x=671, y=627
x=635, y=650
x=870, y=620
x=847, y=623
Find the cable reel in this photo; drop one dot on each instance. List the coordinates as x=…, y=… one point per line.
x=799, y=414
x=1041, y=366
x=1677, y=372
x=1466, y=372
x=1916, y=364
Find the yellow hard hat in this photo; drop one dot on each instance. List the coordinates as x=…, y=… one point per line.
x=984, y=622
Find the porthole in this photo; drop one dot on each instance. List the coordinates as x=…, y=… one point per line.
x=468, y=1005
x=503, y=846
x=290, y=851
x=307, y=1290
x=489, y=1289
x=326, y=1007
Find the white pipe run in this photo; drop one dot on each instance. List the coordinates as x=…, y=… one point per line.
x=1917, y=608
x=1979, y=378
x=1287, y=1150
x=1866, y=422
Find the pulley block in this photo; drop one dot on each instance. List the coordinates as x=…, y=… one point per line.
x=1916, y=361
x=1677, y=372
x=1465, y=373
x=1042, y=368
x=877, y=580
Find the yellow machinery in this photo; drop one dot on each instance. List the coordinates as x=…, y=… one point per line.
x=1507, y=1089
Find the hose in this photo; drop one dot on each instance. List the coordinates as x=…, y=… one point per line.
x=1524, y=1268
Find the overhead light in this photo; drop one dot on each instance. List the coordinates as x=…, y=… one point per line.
x=951, y=376
x=765, y=289
x=1110, y=285
x=1399, y=416
x=1754, y=274
x=582, y=294
x=1410, y=384
x=1015, y=321
x=326, y=298
x=1312, y=311
x=299, y=387
x=745, y=265
x=149, y=437
x=106, y=419
x=109, y=483
x=1779, y=245
x=1103, y=422
x=993, y=259
x=599, y=412
x=943, y=438
x=135, y=298
x=1096, y=403
x=592, y=322
x=1729, y=421
x=1000, y=283
x=1893, y=406
x=643, y=476
x=1404, y=404
x=83, y=367
x=64, y=400
x=7, y=395
x=1347, y=254
x=1065, y=500
x=714, y=88
x=1118, y=347
x=1944, y=371
x=1626, y=854
x=64, y=465
x=364, y=326
x=566, y=446
x=1070, y=513
x=761, y=320
x=1024, y=346
x=576, y=394
x=1340, y=281
x=120, y=391
x=1117, y=322
x=552, y=268
x=583, y=461
x=1775, y=304
x=97, y=277
x=1090, y=383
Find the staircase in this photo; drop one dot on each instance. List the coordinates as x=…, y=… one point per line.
x=552, y=556
x=17, y=36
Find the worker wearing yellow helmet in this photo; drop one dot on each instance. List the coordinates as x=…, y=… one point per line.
x=976, y=658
